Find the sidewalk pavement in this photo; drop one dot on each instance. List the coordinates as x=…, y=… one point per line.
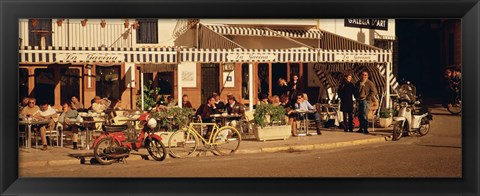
x=330, y=138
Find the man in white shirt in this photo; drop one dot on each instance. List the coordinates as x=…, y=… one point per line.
x=98, y=106
x=46, y=112
x=305, y=105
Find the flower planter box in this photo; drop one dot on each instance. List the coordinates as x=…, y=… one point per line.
x=273, y=132
x=385, y=122
x=166, y=136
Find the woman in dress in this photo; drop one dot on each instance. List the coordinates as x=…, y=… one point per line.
x=345, y=93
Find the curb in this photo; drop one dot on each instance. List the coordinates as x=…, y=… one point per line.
x=135, y=156
x=322, y=146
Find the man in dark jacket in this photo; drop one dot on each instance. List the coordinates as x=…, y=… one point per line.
x=204, y=112
x=295, y=88
x=365, y=90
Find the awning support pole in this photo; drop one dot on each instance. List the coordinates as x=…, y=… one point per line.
x=141, y=89
x=179, y=86
x=387, y=83
x=250, y=86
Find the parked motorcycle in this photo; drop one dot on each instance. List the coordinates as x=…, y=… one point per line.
x=115, y=145
x=410, y=119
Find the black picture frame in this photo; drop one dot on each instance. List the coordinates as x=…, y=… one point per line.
x=11, y=11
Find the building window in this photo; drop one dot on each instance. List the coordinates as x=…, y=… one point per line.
x=165, y=83
x=69, y=84
x=40, y=29
x=107, y=82
x=147, y=32
x=245, y=84
x=23, y=82
x=45, y=85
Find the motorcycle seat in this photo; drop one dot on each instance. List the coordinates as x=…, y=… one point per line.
x=114, y=128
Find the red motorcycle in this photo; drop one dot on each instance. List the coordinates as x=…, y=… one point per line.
x=113, y=145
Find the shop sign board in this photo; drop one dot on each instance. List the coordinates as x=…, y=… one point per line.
x=85, y=57
x=381, y=24
x=250, y=57
x=356, y=57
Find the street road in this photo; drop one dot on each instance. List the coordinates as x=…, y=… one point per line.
x=437, y=154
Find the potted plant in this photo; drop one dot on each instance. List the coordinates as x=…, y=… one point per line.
x=385, y=119
x=270, y=123
x=171, y=120
x=149, y=96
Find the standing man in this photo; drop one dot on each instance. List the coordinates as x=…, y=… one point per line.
x=76, y=105
x=364, y=92
x=295, y=88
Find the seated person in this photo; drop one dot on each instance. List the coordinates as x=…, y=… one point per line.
x=171, y=102
x=76, y=105
x=207, y=109
x=46, y=112
x=233, y=107
x=65, y=119
x=218, y=103
x=185, y=102
x=305, y=105
x=99, y=105
x=275, y=100
x=285, y=103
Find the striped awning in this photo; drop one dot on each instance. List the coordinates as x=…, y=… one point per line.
x=355, y=56
x=28, y=54
x=259, y=31
x=248, y=55
x=325, y=74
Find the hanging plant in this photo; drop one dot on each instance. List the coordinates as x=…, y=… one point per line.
x=34, y=22
x=103, y=23
x=135, y=25
x=84, y=22
x=126, y=23
x=59, y=22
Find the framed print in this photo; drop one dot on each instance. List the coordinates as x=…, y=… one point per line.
x=127, y=65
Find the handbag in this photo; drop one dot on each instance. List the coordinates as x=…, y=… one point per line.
x=356, y=122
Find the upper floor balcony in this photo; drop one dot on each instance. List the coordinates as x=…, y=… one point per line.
x=116, y=33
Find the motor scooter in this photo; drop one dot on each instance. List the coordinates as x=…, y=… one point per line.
x=410, y=119
x=115, y=145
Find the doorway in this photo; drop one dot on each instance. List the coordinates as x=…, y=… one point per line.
x=279, y=70
x=210, y=80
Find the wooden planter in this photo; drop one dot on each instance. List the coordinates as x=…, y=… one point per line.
x=273, y=132
x=385, y=122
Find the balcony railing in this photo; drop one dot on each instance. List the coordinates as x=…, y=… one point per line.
x=74, y=34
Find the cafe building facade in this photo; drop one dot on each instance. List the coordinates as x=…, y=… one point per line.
x=61, y=58
x=247, y=59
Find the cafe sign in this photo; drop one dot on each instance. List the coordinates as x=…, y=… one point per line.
x=381, y=24
x=91, y=57
x=250, y=57
x=356, y=57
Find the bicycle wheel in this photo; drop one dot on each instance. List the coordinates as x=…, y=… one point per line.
x=157, y=150
x=227, y=140
x=103, y=144
x=424, y=126
x=456, y=107
x=182, y=143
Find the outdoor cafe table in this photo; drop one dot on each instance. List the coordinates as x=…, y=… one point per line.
x=28, y=124
x=304, y=122
x=86, y=123
x=225, y=117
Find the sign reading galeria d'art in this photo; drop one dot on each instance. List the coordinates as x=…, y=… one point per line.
x=356, y=57
x=381, y=24
x=250, y=57
x=90, y=57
